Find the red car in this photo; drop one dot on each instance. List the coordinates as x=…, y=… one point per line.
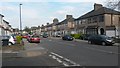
x=25, y=36
x=34, y=39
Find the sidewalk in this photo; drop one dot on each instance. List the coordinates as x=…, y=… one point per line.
x=11, y=49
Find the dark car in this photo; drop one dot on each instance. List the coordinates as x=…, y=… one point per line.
x=100, y=39
x=45, y=35
x=85, y=36
x=34, y=39
x=67, y=37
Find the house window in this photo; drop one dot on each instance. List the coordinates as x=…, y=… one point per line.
x=79, y=22
x=89, y=20
x=94, y=19
x=101, y=18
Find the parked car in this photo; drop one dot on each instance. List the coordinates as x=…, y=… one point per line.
x=25, y=36
x=85, y=36
x=58, y=35
x=45, y=35
x=28, y=38
x=101, y=39
x=67, y=37
x=11, y=39
x=35, y=39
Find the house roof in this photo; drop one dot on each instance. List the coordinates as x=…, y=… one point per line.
x=64, y=21
x=100, y=11
x=50, y=25
x=6, y=22
x=1, y=15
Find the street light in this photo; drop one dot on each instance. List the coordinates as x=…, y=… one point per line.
x=20, y=19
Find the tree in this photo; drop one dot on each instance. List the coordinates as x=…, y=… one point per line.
x=27, y=29
x=113, y=4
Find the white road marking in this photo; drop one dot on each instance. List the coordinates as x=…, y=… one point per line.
x=63, y=60
x=56, y=55
x=65, y=64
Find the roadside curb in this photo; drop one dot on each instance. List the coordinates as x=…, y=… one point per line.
x=78, y=40
x=54, y=37
x=117, y=44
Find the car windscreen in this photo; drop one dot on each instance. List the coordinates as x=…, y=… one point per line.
x=106, y=37
x=35, y=36
x=5, y=37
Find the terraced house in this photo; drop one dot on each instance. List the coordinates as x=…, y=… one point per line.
x=1, y=25
x=66, y=26
x=100, y=20
x=5, y=28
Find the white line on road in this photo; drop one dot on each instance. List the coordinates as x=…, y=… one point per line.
x=63, y=60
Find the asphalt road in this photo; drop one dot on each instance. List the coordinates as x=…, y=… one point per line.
x=57, y=52
x=82, y=53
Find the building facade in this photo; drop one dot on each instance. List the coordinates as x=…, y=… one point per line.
x=100, y=20
x=5, y=28
x=1, y=25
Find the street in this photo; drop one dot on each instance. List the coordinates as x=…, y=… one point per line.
x=57, y=52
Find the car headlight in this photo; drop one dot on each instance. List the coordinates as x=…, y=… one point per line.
x=109, y=40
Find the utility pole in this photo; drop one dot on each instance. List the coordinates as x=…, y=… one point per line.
x=119, y=19
x=20, y=19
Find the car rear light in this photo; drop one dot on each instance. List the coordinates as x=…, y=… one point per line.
x=38, y=38
x=32, y=38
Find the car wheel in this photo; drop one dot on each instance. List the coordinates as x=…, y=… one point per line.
x=103, y=43
x=10, y=43
x=89, y=42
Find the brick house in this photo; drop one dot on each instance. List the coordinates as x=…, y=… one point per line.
x=67, y=25
x=100, y=20
x=1, y=25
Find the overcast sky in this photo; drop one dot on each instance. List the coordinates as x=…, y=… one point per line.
x=36, y=13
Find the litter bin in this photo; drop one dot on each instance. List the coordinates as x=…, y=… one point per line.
x=5, y=42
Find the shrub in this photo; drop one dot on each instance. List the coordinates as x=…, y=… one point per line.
x=18, y=39
x=76, y=36
x=72, y=35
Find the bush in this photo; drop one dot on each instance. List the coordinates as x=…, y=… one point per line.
x=72, y=35
x=76, y=36
x=18, y=39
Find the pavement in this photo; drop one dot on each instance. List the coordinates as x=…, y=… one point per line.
x=32, y=55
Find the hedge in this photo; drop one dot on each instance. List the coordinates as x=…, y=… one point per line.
x=76, y=36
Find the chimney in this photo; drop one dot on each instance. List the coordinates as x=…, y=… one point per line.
x=69, y=16
x=97, y=6
x=47, y=23
x=42, y=25
x=55, y=20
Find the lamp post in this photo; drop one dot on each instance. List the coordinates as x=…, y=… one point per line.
x=20, y=19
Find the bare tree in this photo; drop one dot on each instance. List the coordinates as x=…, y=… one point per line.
x=113, y=4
